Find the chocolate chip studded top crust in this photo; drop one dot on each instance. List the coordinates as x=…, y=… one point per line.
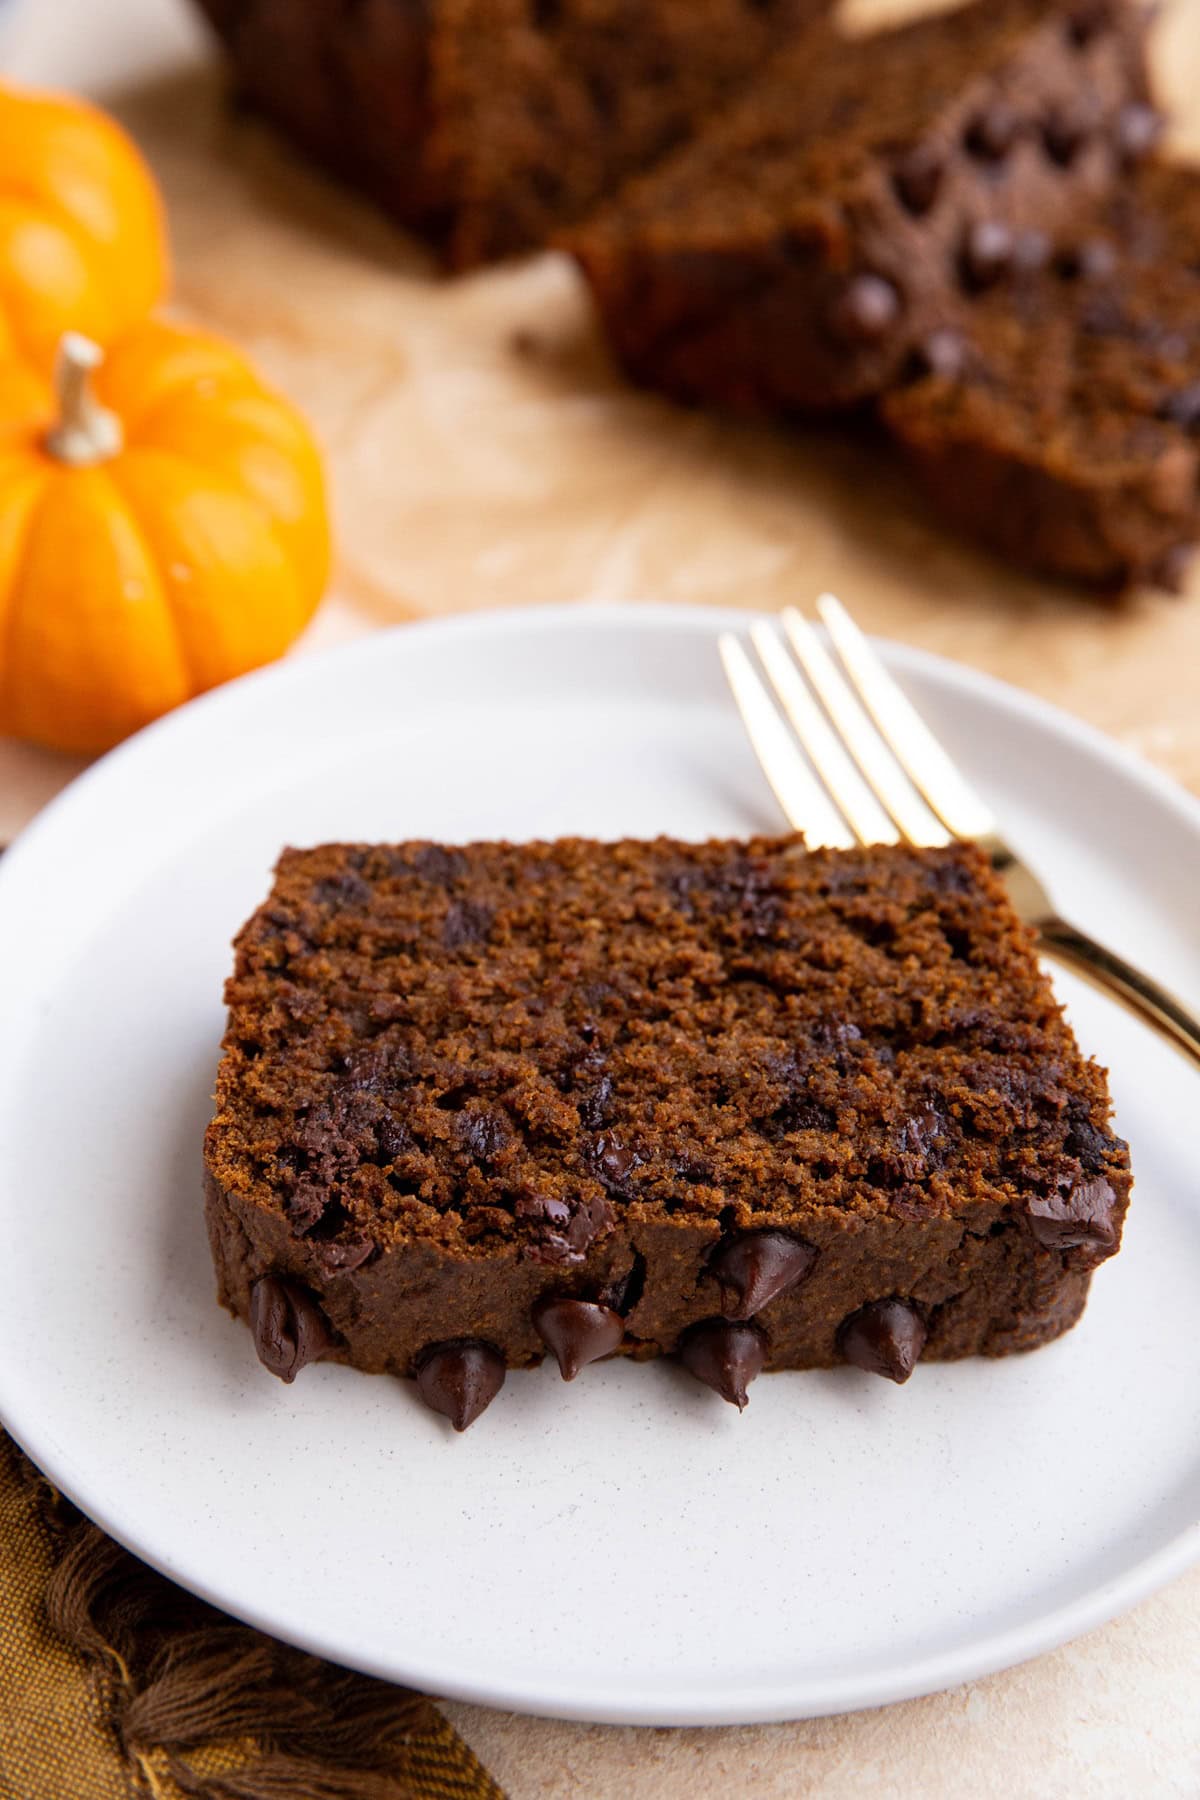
x=1067, y=430
x=529, y=1069
x=489, y=123
x=859, y=195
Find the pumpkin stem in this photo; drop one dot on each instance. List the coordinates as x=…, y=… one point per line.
x=86, y=432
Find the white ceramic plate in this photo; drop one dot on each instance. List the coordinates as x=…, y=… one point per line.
x=626, y=1548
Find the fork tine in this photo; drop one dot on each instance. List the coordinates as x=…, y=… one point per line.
x=883, y=773
x=867, y=819
x=904, y=731
x=805, y=804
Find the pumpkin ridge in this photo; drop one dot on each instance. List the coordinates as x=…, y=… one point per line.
x=44, y=200
x=220, y=483
x=39, y=481
x=140, y=426
x=114, y=474
x=17, y=321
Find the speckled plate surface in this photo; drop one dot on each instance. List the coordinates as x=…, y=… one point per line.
x=627, y=1548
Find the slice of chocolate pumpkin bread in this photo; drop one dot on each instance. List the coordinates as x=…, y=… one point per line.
x=752, y=1105
x=490, y=123
x=860, y=195
x=1063, y=426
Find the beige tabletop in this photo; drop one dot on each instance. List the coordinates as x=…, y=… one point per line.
x=483, y=454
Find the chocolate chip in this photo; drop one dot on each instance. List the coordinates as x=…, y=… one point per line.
x=339, y=1257
x=865, y=311
x=797, y=1113
x=1093, y=260
x=917, y=178
x=943, y=352
x=1086, y=1141
x=345, y=889
x=987, y=253
x=992, y=133
x=466, y=923
x=1139, y=128
x=289, y=1327
x=885, y=1337
x=624, y=1292
x=392, y=1138
x=459, y=1378
x=483, y=1135
x=433, y=862
x=756, y=1267
x=577, y=1331
x=1182, y=407
x=563, y=1230
x=615, y=1162
x=1064, y=134
x=595, y=1106
x=922, y=1130
x=1076, y=1216
x=1087, y=20
x=725, y=1356
x=1171, y=570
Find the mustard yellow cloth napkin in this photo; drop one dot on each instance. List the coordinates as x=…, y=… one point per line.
x=117, y=1685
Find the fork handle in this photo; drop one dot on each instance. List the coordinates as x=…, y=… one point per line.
x=1113, y=975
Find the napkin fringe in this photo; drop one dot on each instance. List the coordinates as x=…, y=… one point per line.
x=213, y=1710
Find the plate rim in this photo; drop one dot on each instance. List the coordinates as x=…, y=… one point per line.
x=778, y=1701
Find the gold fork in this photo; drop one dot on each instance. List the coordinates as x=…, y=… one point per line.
x=881, y=777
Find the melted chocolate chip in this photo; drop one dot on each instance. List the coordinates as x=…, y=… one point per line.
x=483, y=1135
x=289, y=1327
x=987, y=253
x=346, y=889
x=917, y=178
x=1076, y=1217
x=392, y=1138
x=433, y=862
x=1087, y=20
x=885, y=1337
x=339, y=1257
x=596, y=1105
x=466, y=923
x=624, y=1292
x=563, y=1231
x=865, y=311
x=459, y=1379
x=615, y=1163
x=943, y=352
x=756, y=1267
x=577, y=1331
x=992, y=132
x=1064, y=134
x=1139, y=128
x=1087, y=1141
x=797, y=1114
x=1093, y=260
x=921, y=1132
x=725, y=1356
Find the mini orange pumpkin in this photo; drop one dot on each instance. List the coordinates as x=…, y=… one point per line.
x=157, y=537
x=82, y=241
